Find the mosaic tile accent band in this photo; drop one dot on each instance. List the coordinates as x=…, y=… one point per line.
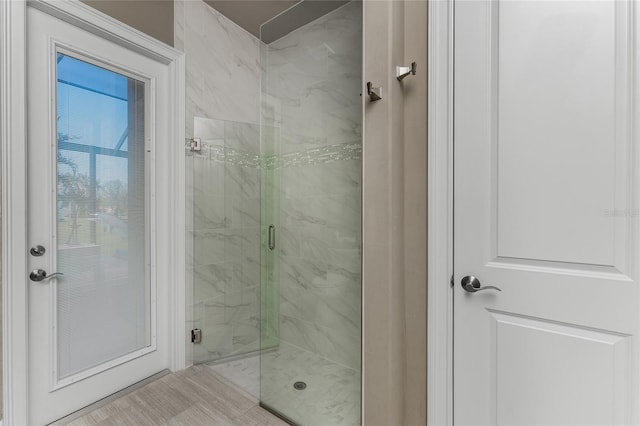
x=322, y=155
x=220, y=154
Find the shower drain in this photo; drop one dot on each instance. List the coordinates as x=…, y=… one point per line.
x=299, y=385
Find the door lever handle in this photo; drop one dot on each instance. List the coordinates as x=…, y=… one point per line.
x=472, y=285
x=41, y=275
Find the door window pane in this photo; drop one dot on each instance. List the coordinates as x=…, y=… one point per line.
x=103, y=298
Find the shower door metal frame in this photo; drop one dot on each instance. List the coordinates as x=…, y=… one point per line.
x=13, y=134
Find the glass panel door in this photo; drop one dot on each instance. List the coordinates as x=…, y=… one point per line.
x=104, y=296
x=225, y=226
x=312, y=168
x=100, y=123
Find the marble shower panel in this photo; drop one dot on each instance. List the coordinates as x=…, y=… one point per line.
x=223, y=65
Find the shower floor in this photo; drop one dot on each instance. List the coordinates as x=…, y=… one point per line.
x=332, y=395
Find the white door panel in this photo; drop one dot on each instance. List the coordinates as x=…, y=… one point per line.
x=542, y=364
x=93, y=130
x=546, y=163
x=561, y=90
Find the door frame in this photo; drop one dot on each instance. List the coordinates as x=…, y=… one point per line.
x=440, y=214
x=13, y=134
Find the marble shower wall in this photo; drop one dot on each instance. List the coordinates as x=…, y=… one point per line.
x=223, y=65
x=312, y=106
x=223, y=193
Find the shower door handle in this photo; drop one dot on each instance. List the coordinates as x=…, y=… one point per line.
x=272, y=237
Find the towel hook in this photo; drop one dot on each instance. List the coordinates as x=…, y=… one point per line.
x=402, y=72
x=375, y=93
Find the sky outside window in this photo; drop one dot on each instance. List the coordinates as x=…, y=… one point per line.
x=93, y=110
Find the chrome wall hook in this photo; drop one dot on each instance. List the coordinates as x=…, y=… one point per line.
x=402, y=72
x=375, y=93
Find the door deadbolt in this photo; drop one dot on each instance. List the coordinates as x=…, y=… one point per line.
x=37, y=251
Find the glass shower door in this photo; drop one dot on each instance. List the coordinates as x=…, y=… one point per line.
x=312, y=168
x=225, y=226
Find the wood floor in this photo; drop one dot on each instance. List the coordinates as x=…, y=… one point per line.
x=193, y=397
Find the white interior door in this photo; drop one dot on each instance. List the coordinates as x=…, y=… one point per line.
x=101, y=324
x=547, y=209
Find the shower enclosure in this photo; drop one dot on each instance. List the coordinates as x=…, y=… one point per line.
x=277, y=217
